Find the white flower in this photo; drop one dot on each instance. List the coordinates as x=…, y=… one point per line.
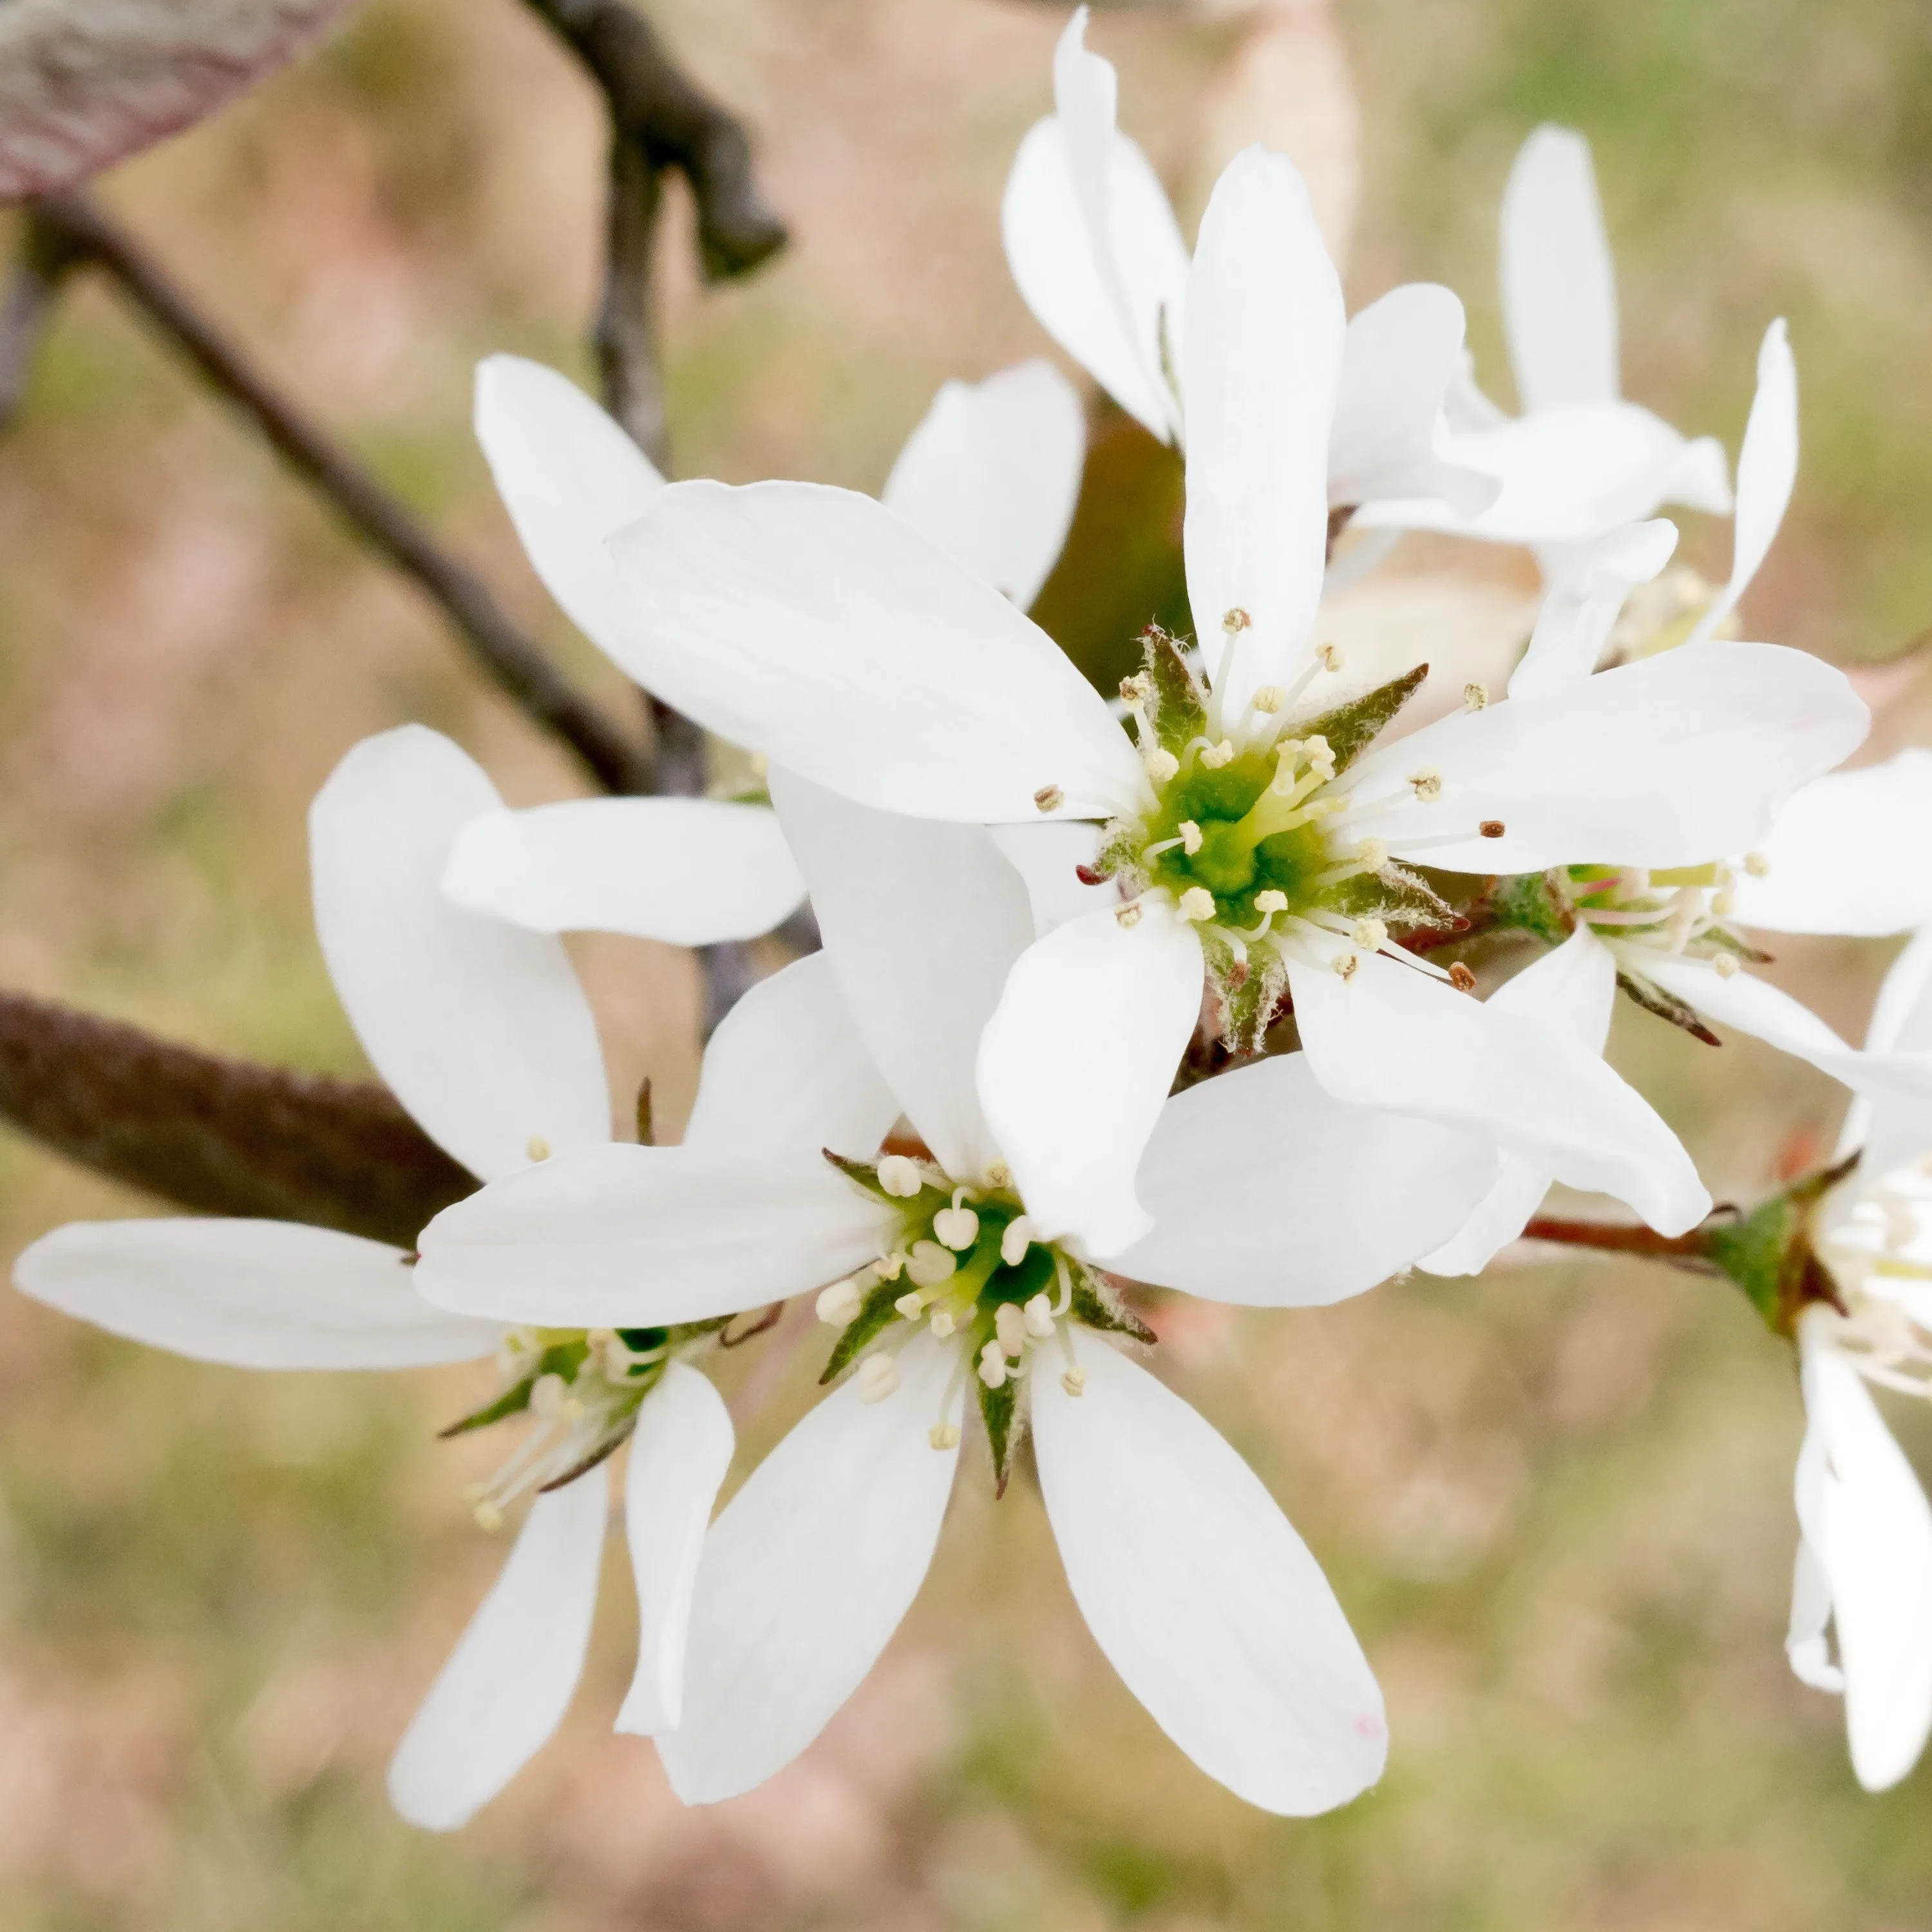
x=485, y=1035
x=1864, y=1557
x=1580, y=460
x=1095, y=251
x=991, y=474
x=1265, y=1192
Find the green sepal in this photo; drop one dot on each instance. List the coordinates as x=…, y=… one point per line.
x=608, y=1447
x=1725, y=940
x=1532, y=902
x=1767, y=1253
x=1398, y=897
x=1250, y=989
x=511, y=1401
x=1096, y=1305
x=999, y=1409
x=865, y=1173
x=1177, y=706
x=876, y=1314
x=1350, y=728
x=1666, y=1006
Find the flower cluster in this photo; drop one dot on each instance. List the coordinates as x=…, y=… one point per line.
x=1115, y=997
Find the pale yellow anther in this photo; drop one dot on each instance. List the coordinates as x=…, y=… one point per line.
x=1190, y=837
x=943, y=1435
x=1196, y=903
x=1049, y=798
x=1756, y=864
x=1235, y=620
x=1038, y=1315
x=999, y=1175
x=911, y=1304
x=1074, y=1381
x=1723, y=902
x=760, y=766
x=1370, y=935
x=1725, y=965
x=539, y=1148
x=1216, y=756
x=1333, y=657
x=1344, y=964
x=956, y=1227
x=1271, y=901
x=488, y=1515
x=1371, y=855
x=1475, y=696
x=890, y=1268
x=1010, y=1325
x=839, y=1303
x=900, y=1176
x=1269, y=699
x=1129, y=914
x=1426, y=783
x=1161, y=764
x=1319, y=749
x=1016, y=1240
x=548, y=1395
x=1136, y=690
x=943, y=1323
x=992, y=1370
x=928, y=1264
x=877, y=1376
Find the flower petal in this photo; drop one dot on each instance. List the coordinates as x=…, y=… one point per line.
x=1399, y=357
x=510, y=1678
x=1092, y=242
x=1559, y=283
x=1877, y=1550
x=258, y=1295
x=806, y=1575
x=787, y=1069
x=1201, y=1595
x=921, y=923
x=1849, y=852
x=813, y=624
x=1673, y=760
x=482, y=1029
x=1767, y=471
x=1075, y=1064
x=992, y=473
x=568, y=475
x=689, y=872
x=1585, y=602
x=633, y=1237
x=1266, y=1192
x=679, y=1455
x=1572, y=987
x=1804, y=1642
x=1388, y=1036
x=1260, y=370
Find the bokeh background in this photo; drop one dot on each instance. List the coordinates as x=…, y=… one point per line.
x=1556, y=1503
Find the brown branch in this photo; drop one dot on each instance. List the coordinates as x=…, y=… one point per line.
x=218, y=1135
x=72, y=225
x=627, y=358
x=1692, y=1250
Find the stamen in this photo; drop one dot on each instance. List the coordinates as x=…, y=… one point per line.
x=1370, y=935
x=1038, y=1316
x=1161, y=764
x=1164, y=845
x=1333, y=657
x=838, y=1305
x=1016, y=1240
x=1074, y=1381
x=999, y=1175
x=539, y=1148
x=1426, y=783
x=957, y=1227
x=1756, y=864
x=1344, y=965
x=1049, y=798
x=1268, y=699
x=1216, y=756
x=878, y=1375
x=992, y=1370
x=1010, y=1326
x=943, y=1323
x=1461, y=978
x=1066, y=1300
x=1137, y=689
x=911, y=1304
x=1128, y=915
x=1475, y=696
x=1196, y=903
x=1190, y=837
x=1725, y=965
x=928, y=1264
x=1493, y=828
x=900, y=1176
x=943, y=1435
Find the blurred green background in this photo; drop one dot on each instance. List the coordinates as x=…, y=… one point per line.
x=1556, y=1503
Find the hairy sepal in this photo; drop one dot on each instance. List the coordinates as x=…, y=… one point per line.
x=1096, y=1303
x=1666, y=1006
x=1350, y=728
x=1177, y=706
x=877, y=1313
x=1000, y=1410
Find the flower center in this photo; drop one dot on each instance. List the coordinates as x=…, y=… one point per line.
x=1880, y=1259
x=1683, y=911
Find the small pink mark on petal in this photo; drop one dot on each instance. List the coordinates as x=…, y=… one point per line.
x=1369, y=1725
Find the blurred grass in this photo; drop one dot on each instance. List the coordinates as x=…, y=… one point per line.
x=1556, y=1503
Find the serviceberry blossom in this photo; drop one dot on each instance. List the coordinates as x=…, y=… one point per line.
x=1580, y=460
x=926, y=1251
x=1864, y=1559
x=484, y=1033
x=990, y=475
x=1096, y=253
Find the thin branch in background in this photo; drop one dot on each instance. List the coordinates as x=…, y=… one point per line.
x=627, y=358
x=1691, y=1251
x=220, y=1136
x=45, y=262
x=72, y=227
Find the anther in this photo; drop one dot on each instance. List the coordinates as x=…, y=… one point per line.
x=999, y=1175
x=1725, y=965
x=1756, y=864
x=1235, y=620
x=992, y=1366
x=1010, y=1325
x=1049, y=798
x=1269, y=699
x=1129, y=914
x=1038, y=1314
x=1475, y=696
x=1016, y=1240
x=1271, y=901
x=1216, y=756
x=911, y=1304
x=1162, y=764
x=1370, y=935
x=1074, y=1381
x=957, y=1227
x=943, y=1435
x=1197, y=903
x=900, y=1176
x=1461, y=978
x=1493, y=828
x=1371, y=855
x=1344, y=964
x=928, y=1264
x=487, y=1515
x=839, y=1304
x=1333, y=657
x=878, y=1375
x=539, y=1148
x=943, y=1323
x=1190, y=837
x=1427, y=782
x=1136, y=690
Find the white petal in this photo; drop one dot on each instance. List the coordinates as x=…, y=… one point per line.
x=633, y=1237
x=1388, y=1036
x=921, y=922
x=1754, y=1006
x=1804, y=1643
x=1045, y=857
x=258, y=1295
x=1265, y=1190
x=687, y=870
x=806, y=1575
x=679, y=1455
x=1850, y=853
x=1585, y=601
x=1260, y=369
x=514, y=1671
x=1902, y=1014
x=1877, y=1550
x=482, y=1029
x=787, y=1069
x=1767, y=470
x=1201, y=1595
x=1671, y=760
x=1559, y=283
x=1399, y=357
x=568, y=475
x=992, y=473
x=1573, y=987
x=1701, y=478
x=813, y=624
x=1075, y=1064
